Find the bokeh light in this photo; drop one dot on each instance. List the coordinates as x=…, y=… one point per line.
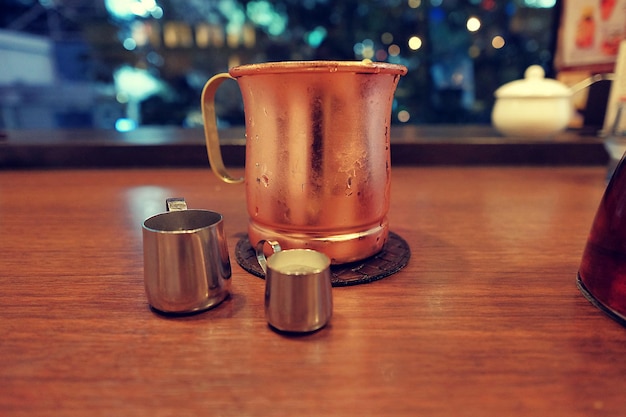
x=473, y=24
x=404, y=116
x=415, y=43
x=393, y=50
x=414, y=4
x=316, y=36
x=473, y=52
x=130, y=9
x=542, y=4
x=386, y=38
x=497, y=42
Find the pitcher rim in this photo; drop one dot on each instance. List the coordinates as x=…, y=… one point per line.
x=282, y=67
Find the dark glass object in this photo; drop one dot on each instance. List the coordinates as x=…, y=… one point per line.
x=602, y=273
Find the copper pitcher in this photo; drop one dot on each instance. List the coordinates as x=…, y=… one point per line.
x=317, y=170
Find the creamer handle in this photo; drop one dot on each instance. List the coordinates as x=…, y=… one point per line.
x=210, y=128
x=260, y=252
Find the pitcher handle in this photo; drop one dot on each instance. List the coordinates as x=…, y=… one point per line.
x=260, y=252
x=210, y=128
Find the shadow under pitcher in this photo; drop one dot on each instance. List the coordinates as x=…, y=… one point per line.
x=318, y=169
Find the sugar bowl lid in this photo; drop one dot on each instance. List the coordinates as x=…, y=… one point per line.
x=534, y=84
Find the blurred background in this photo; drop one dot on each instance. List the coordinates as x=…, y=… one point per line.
x=123, y=64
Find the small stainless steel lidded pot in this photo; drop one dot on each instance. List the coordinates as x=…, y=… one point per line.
x=298, y=290
x=186, y=262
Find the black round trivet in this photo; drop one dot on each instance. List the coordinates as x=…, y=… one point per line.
x=393, y=257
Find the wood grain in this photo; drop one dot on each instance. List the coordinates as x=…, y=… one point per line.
x=485, y=320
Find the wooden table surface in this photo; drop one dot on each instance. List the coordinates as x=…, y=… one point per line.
x=485, y=320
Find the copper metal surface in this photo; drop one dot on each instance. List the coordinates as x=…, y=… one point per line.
x=317, y=153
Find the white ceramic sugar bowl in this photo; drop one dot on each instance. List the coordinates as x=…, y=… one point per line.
x=534, y=107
